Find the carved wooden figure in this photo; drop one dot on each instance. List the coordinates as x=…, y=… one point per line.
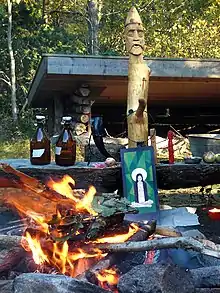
x=138, y=81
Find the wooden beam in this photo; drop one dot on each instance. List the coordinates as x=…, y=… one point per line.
x=109, y=179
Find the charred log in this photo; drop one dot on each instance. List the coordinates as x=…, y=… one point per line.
x=110, y=179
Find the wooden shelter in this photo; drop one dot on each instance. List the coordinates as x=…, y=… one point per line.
x=180, y=90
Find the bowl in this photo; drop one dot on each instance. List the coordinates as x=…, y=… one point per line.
x=192, y=160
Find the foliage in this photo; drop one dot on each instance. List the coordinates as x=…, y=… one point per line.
x=175, y=28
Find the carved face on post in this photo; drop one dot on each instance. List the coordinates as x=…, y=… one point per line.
x=134, y=33
x=134, y=39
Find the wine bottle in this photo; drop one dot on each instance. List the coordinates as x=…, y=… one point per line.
x=40, y=144
x=65, y=153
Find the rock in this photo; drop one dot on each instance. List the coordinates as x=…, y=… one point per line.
x=38, y=283
x=126, y=261
x=6, y=286
x=156, y=278
x=206, y=277
x=207, y=290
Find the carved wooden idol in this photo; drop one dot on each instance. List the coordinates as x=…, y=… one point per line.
x=138, y=81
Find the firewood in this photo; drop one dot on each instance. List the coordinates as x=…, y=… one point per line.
x=186, y=243
x=25, y=179
x=111, y=258
x=82, y=109
x=7, y=183
x=80, y=128
x=144, y=232
x=80, y=100
x=12, y=259
x=103, y=264
x=9, y=241
x=82, y=118
x=32, y=184
x=167, y=232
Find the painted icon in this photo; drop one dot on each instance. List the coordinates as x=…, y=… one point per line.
x=139, y=179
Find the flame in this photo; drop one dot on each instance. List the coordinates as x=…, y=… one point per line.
x=107, y=278
x=121, y=237
x=66, y=260
x=86, y=202
x=60, y=256
x=63, y=186
x=34, y=245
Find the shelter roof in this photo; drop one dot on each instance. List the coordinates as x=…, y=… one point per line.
x=172, y=81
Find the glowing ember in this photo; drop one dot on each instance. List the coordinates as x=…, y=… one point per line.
x=121, y=237
x=108, y=279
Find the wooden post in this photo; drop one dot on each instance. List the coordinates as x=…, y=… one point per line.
x=153, y=142
x=138, y=81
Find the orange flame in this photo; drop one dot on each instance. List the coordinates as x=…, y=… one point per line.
x=41, y=210
x=86, y=202
x=108, y=277
x=62, y=186
x=60, y=257
x=121, y=237
x=34, y=245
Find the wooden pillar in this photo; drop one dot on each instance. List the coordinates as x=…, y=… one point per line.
x=58, y=114
x=138, y=81
x=153, y=142
x=55, y=111
x=50, y=121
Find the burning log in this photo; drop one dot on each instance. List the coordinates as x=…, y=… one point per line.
x=142, y=234
x=167, y=232
x=186, y=243
x=32, y=184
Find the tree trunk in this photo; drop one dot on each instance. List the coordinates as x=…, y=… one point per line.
x=93, y=7
x=12, y=61
x=45, y=3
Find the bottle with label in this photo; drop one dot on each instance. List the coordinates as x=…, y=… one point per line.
x=40, y=144
x=65, y=154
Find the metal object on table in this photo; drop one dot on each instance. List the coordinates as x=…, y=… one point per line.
x=202, y=143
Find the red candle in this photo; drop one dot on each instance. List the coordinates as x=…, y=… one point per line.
x=214, y=214
x=170, y=147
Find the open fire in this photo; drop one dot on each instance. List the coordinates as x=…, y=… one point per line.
x=62, y=235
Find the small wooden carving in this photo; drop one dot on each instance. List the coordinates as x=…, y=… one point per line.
x=138, y=81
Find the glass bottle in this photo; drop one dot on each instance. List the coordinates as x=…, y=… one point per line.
x=40, y=144
x=65, y=154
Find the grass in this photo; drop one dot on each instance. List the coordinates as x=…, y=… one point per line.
x=14, y=149
x=20, y=150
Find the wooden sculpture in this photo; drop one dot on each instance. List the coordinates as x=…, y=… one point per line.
x=138, y=81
